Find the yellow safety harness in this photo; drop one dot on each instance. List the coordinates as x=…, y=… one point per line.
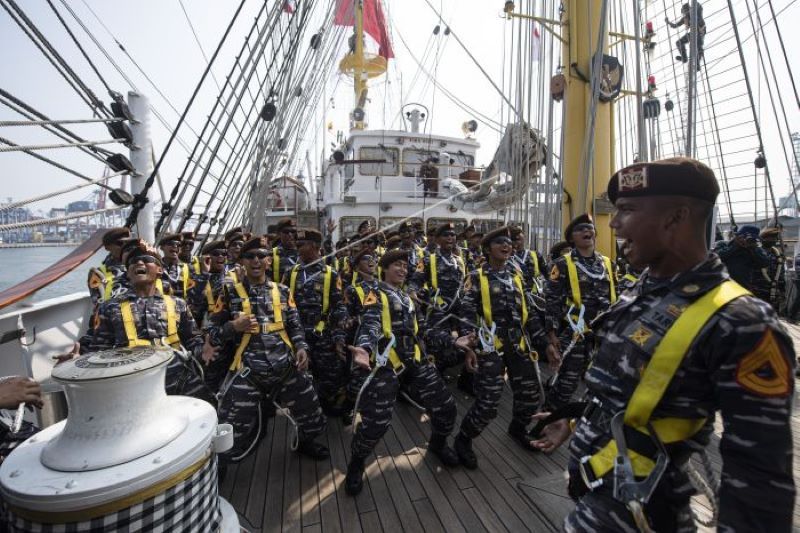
x=196, y=265
x=209, y=294
x=326, y=293
x=276, y=265
x=574, y=284
x=277, y=326
x=486, y=302
x=630, y=277
x=535, y=261
x=435, y=275
x=656, y=378
x=386, y=325
x=108, y=282
x=128, y=321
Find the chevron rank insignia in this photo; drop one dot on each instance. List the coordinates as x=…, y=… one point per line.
x=765, y=371
x=371, y=298
x=641, y=336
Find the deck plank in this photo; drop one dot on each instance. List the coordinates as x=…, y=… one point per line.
x=258, y=489
x=428, y=516
x=396, y=497
x=348, y=511
x=292, y=497
x=274, y=479
x=326, y=487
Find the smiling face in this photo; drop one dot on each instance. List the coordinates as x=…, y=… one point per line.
x=518, y=242
x=218, y=259
x=143, y=270
x=367, y=264
x=447, y=240
x=235, y=250
x=256, y=262
x=308, y=251
x=288, y=238
x=500, y=249
x=640, y=228
x=170, y=250
x=395, y=273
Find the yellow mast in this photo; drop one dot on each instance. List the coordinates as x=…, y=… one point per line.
x=582, y=22
x=361, y=66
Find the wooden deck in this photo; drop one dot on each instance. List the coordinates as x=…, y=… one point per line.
x=407, y=489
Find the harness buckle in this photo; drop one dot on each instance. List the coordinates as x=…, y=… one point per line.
x=383, y=357
x=244, y=372
x=399, y=369
x=486, y=336
x=583, y=465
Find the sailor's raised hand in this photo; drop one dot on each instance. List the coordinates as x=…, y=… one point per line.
x=63, y=358
x=243, y=323
x=15, y=390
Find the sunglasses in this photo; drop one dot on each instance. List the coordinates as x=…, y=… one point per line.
x=146, y=259
x=583, y=227
x=502, y=240
x=255, y=255
x=171, y=243
x=367, y=258
x=218, y=253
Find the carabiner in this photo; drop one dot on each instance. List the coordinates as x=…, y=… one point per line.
x=486, y=336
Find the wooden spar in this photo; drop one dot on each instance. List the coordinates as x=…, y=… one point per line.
x=54, y=272
x=580, y=32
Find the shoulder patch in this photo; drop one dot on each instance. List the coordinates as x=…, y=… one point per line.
x=765, y=371
x=421, y=265
x=218, y=305
x=96, y=279
x=554, y=273
x=371, y=298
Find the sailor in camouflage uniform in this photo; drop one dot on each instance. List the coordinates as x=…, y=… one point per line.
x=270, y=361
x=109, y=279
x=317, y=291
x=581, y=285
x=284, y=255
x=176, y=277
x=143, y=316
x=770, y=284
x=437, y=284
x=202, y=299
x=234, y=240
x=497, y=309
x=529, y=262
x=407, y=243
x=388, y=341
x=685, y=343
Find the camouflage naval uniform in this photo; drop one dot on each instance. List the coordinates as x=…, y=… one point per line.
x=439, y=301
x=769, y=283
x=107, y=281
x=739, y=363
x=531, y=264
x=323, y=327
x=150, y=316
x=178, y=277
x=202, y=299
x=354, y=296
x=516, y=353
x=424, y=383
x=283, y=260
x=267, y=370
x=597, y=292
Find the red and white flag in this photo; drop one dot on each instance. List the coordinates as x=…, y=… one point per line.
x=374, y=23
x=289, y=6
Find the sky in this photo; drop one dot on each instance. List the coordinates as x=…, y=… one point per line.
x=157, y=36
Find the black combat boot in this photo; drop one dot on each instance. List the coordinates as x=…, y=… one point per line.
x=521, y=435
x=438, y=445
x=463, y=447
x=313, y=449
x=466, y=382
x=354, y=480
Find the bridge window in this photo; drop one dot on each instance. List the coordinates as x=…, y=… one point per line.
x=348, y=226
x=413, y=159
x=390, y=167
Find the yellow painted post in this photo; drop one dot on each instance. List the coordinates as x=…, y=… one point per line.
x=359, y=79
x=581, y=30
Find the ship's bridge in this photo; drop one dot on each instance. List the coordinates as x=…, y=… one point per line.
x=398, y=166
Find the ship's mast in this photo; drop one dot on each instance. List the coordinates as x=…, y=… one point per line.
x=588, y=152
x=361, y=66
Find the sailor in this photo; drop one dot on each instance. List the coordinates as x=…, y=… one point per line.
x=686, y=20
x=365, y=228
x=437, y=284
x=270, y=361
x=366, y=265
x=393, y=243
x=530, y=262
x=202, y=299
x=419, y=234
x=581, y=285
x=317, y=292
x=407, y=243
x=234, y=240
x=107, y=280
x=175, y=274
x=284, y=255
x=474, y=255
x=465, y=237
x=629, y=277
x=143, y=316
x=388, y=342
x=498, y=310
x=16, y=390
x=744, y=257
x=685, y=343
x=771, y=284
x=430, y=239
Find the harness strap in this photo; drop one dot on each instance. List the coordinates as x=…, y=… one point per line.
x=574, y=284
x=657, y=376
x=535, y=261
x=386, y=327
x=486, y=303
x=108, y=285
x=276, y=265
x=275, y=327
x=129, y=323
x=185, y=278
x=209, y=295
x=326, y=292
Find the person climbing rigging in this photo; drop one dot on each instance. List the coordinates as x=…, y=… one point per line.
x=686, y=20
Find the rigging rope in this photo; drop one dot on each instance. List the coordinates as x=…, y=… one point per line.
x=45, y=221
x=19, y=148
x=12, y=205
x=8, y=123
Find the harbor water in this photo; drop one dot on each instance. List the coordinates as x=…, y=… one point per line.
x=19, y=264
